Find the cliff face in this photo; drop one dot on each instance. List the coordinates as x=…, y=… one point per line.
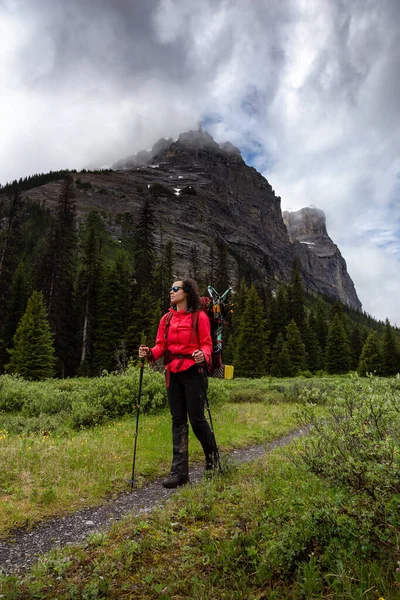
x=201, y=191
x=318, y=254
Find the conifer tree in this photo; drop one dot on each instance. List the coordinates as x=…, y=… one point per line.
x=370, y=360
x=16, y=305
x=10, y=245
x=295, y=296
x=263, y=294
x=364, y=334
x=337, y=351
x=231, y=333
x=281, y=365
x=33, y=354
x=56, y=278
x=89, y=290
x=252, y=350
x=322, y=322
x=336, y=309
x=166, y=274
x=390, y=354
x=296, y=347
x=356, y=344
x=278, y=314
x=144, y=307
x=144, y=254
x=313, y=349
x=275, y=351
x=113, y=316
x=143, y=322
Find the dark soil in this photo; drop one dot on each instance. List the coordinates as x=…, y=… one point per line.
x=24, y=546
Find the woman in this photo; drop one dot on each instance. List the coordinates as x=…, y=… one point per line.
x=184, y=339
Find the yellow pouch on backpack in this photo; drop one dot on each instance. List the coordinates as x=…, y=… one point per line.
x=228, y=371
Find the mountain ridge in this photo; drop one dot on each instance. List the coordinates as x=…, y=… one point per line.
x=202, y=192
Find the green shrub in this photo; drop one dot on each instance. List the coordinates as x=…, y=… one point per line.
x=217, y=392
x=306, y=374
x=296, y=390
x=41, y=400
x=12, y=393
x=27, y=425
x=86, y=415
x=247, y=395
x=274, y=397
x=118, y=393
x=357, y=446
x=86, y=401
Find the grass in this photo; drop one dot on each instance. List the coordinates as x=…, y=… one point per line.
x=47, y=475
x=252, y=534
x=271, y=529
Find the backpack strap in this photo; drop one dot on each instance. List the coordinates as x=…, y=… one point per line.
x=195, y=319
x=167, y=324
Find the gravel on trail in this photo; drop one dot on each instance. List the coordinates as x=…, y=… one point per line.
x=25, y=546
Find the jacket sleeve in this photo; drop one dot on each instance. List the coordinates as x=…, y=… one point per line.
x=204, y=334
x=158, y=350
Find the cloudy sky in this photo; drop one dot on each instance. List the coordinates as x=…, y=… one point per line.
x=309, y=90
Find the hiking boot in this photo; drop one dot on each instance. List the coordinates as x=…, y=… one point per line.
x=211, y=463
x=175, y=480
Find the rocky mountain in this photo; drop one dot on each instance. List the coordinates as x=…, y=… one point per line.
x=202, y=192
x=318, y=254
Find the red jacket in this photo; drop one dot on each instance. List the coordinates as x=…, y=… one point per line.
x=183, y=339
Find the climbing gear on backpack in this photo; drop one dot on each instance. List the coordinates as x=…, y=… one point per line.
x=218, y=309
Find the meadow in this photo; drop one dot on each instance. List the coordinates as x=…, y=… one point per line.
x=318, y=519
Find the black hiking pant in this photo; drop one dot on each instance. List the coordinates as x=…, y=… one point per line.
x=186, y=397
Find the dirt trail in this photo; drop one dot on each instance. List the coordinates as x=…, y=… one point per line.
x=24, y=547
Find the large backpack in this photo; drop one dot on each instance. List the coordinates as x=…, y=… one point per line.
x=217, y=309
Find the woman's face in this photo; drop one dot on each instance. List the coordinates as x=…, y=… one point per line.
x=176, y=293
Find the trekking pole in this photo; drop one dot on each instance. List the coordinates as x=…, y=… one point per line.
x=137, y=418
x=216, y=451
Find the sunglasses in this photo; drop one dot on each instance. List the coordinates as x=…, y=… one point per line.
x=175, y=288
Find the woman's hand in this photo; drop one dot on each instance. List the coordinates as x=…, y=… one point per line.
x=198, y=356
x=143, y=351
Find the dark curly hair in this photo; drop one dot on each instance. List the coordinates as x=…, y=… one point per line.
x=191, y=290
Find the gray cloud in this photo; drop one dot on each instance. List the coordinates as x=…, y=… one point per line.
x=308, y=90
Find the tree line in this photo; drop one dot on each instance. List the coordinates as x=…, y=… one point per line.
x=283, y=335
x=32, y=181
x=76, y=301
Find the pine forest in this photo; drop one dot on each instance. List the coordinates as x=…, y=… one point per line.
x=76, y=301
